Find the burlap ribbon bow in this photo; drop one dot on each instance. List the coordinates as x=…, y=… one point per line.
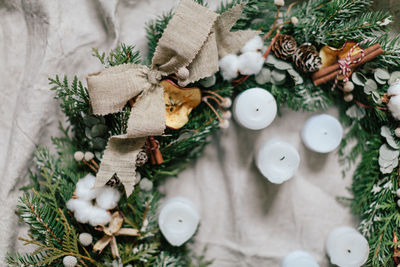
x=190, y=47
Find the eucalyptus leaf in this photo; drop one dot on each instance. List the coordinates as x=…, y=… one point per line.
x=358, y=79
x=88, y=133
x=376, y=97
x=99, y=130
x=278, y=77
x=395, y=76
x=264, y=76
x=209, y=81
x=381, y=82
x=370, y=86
x=90, y=120
x=99, y=143
x=282, y=65
x=271, y=60
x=356, y=112
x=382, y=74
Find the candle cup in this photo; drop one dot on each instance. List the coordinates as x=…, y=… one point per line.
x=346, y=247
x=322, y=133
x=299, y=259
x=277, y=161
x=178, y=220
x=254, y=109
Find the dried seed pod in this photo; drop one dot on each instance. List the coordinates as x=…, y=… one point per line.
x=284, y=47
x=307, y=59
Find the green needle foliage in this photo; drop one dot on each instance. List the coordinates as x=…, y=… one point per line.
x=53, y=228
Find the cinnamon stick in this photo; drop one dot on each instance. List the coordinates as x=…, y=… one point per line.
x=333, y=75
x=155, y=151
x=333, y=68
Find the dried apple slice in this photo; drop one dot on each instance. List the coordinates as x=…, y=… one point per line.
x=330, y=55
x=179, y=102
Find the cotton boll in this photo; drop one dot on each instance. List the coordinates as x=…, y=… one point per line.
x=229, y=67
x=394, y=89
x=98, y=216
x=251, y=63
x=74, y=204
x=394, y=103
x=394, y=106
x=107, y=198
x=85, y=188
x=82, y=209
x=254, y=45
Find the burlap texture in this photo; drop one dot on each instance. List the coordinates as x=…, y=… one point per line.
x=191, y=40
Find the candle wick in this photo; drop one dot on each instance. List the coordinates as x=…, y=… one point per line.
x=348, y=251
x=282, y=158
x=257, y=109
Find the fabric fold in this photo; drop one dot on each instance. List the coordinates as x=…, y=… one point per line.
x=191, y=41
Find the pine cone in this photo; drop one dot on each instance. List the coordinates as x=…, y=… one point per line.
x=307, y=59
x=284, y=47
x=141, y=158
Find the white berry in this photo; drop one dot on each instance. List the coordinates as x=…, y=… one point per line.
x=224, y=124
x=78, y=155
x=397, y=132
x=226, y=103
x=89, y=156
x=227, y=115
x=146, y=185
x=294, y=20
x=398, y=192
x=348, y=87
x=398, y=202
x=279, y=3
x=70, y=261
x=348, y=97
x=85, y=239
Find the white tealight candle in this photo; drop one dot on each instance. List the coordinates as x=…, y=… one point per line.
x=277, y=161
x=347, y=248
x=322, y=133
x=254, y=109
x=299, y=259
x=178, y=220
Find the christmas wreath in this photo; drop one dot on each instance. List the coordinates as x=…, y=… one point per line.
x=140, y=121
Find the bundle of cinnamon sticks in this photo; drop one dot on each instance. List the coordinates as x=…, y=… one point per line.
x=330, y=73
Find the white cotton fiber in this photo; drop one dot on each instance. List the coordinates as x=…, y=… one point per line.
x=81, y=209
x=98, y=216
x=85, y=188
x=254, y=45
x=107, y=197
x=74, y=204
x=251, y=63
x=394, y=106
x=228, y=66
x=394, y=103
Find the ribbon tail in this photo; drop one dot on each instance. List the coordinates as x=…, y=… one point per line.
x=119, y=158
x=205, y=63
x=231, y=42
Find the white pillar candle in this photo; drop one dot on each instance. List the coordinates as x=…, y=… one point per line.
x=277, y=161
x=299, y=259
x=254, y=109
x=346, y=247
x=322, y=133
x=178, y=220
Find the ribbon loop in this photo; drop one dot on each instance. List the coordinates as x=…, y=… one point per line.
x=193, y=40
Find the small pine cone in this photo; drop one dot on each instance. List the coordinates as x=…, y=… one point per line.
x=284, y=47
x=141, y=158
x=307, y=59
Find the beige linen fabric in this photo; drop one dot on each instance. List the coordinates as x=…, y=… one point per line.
x=187, y=40
x=245, y=220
